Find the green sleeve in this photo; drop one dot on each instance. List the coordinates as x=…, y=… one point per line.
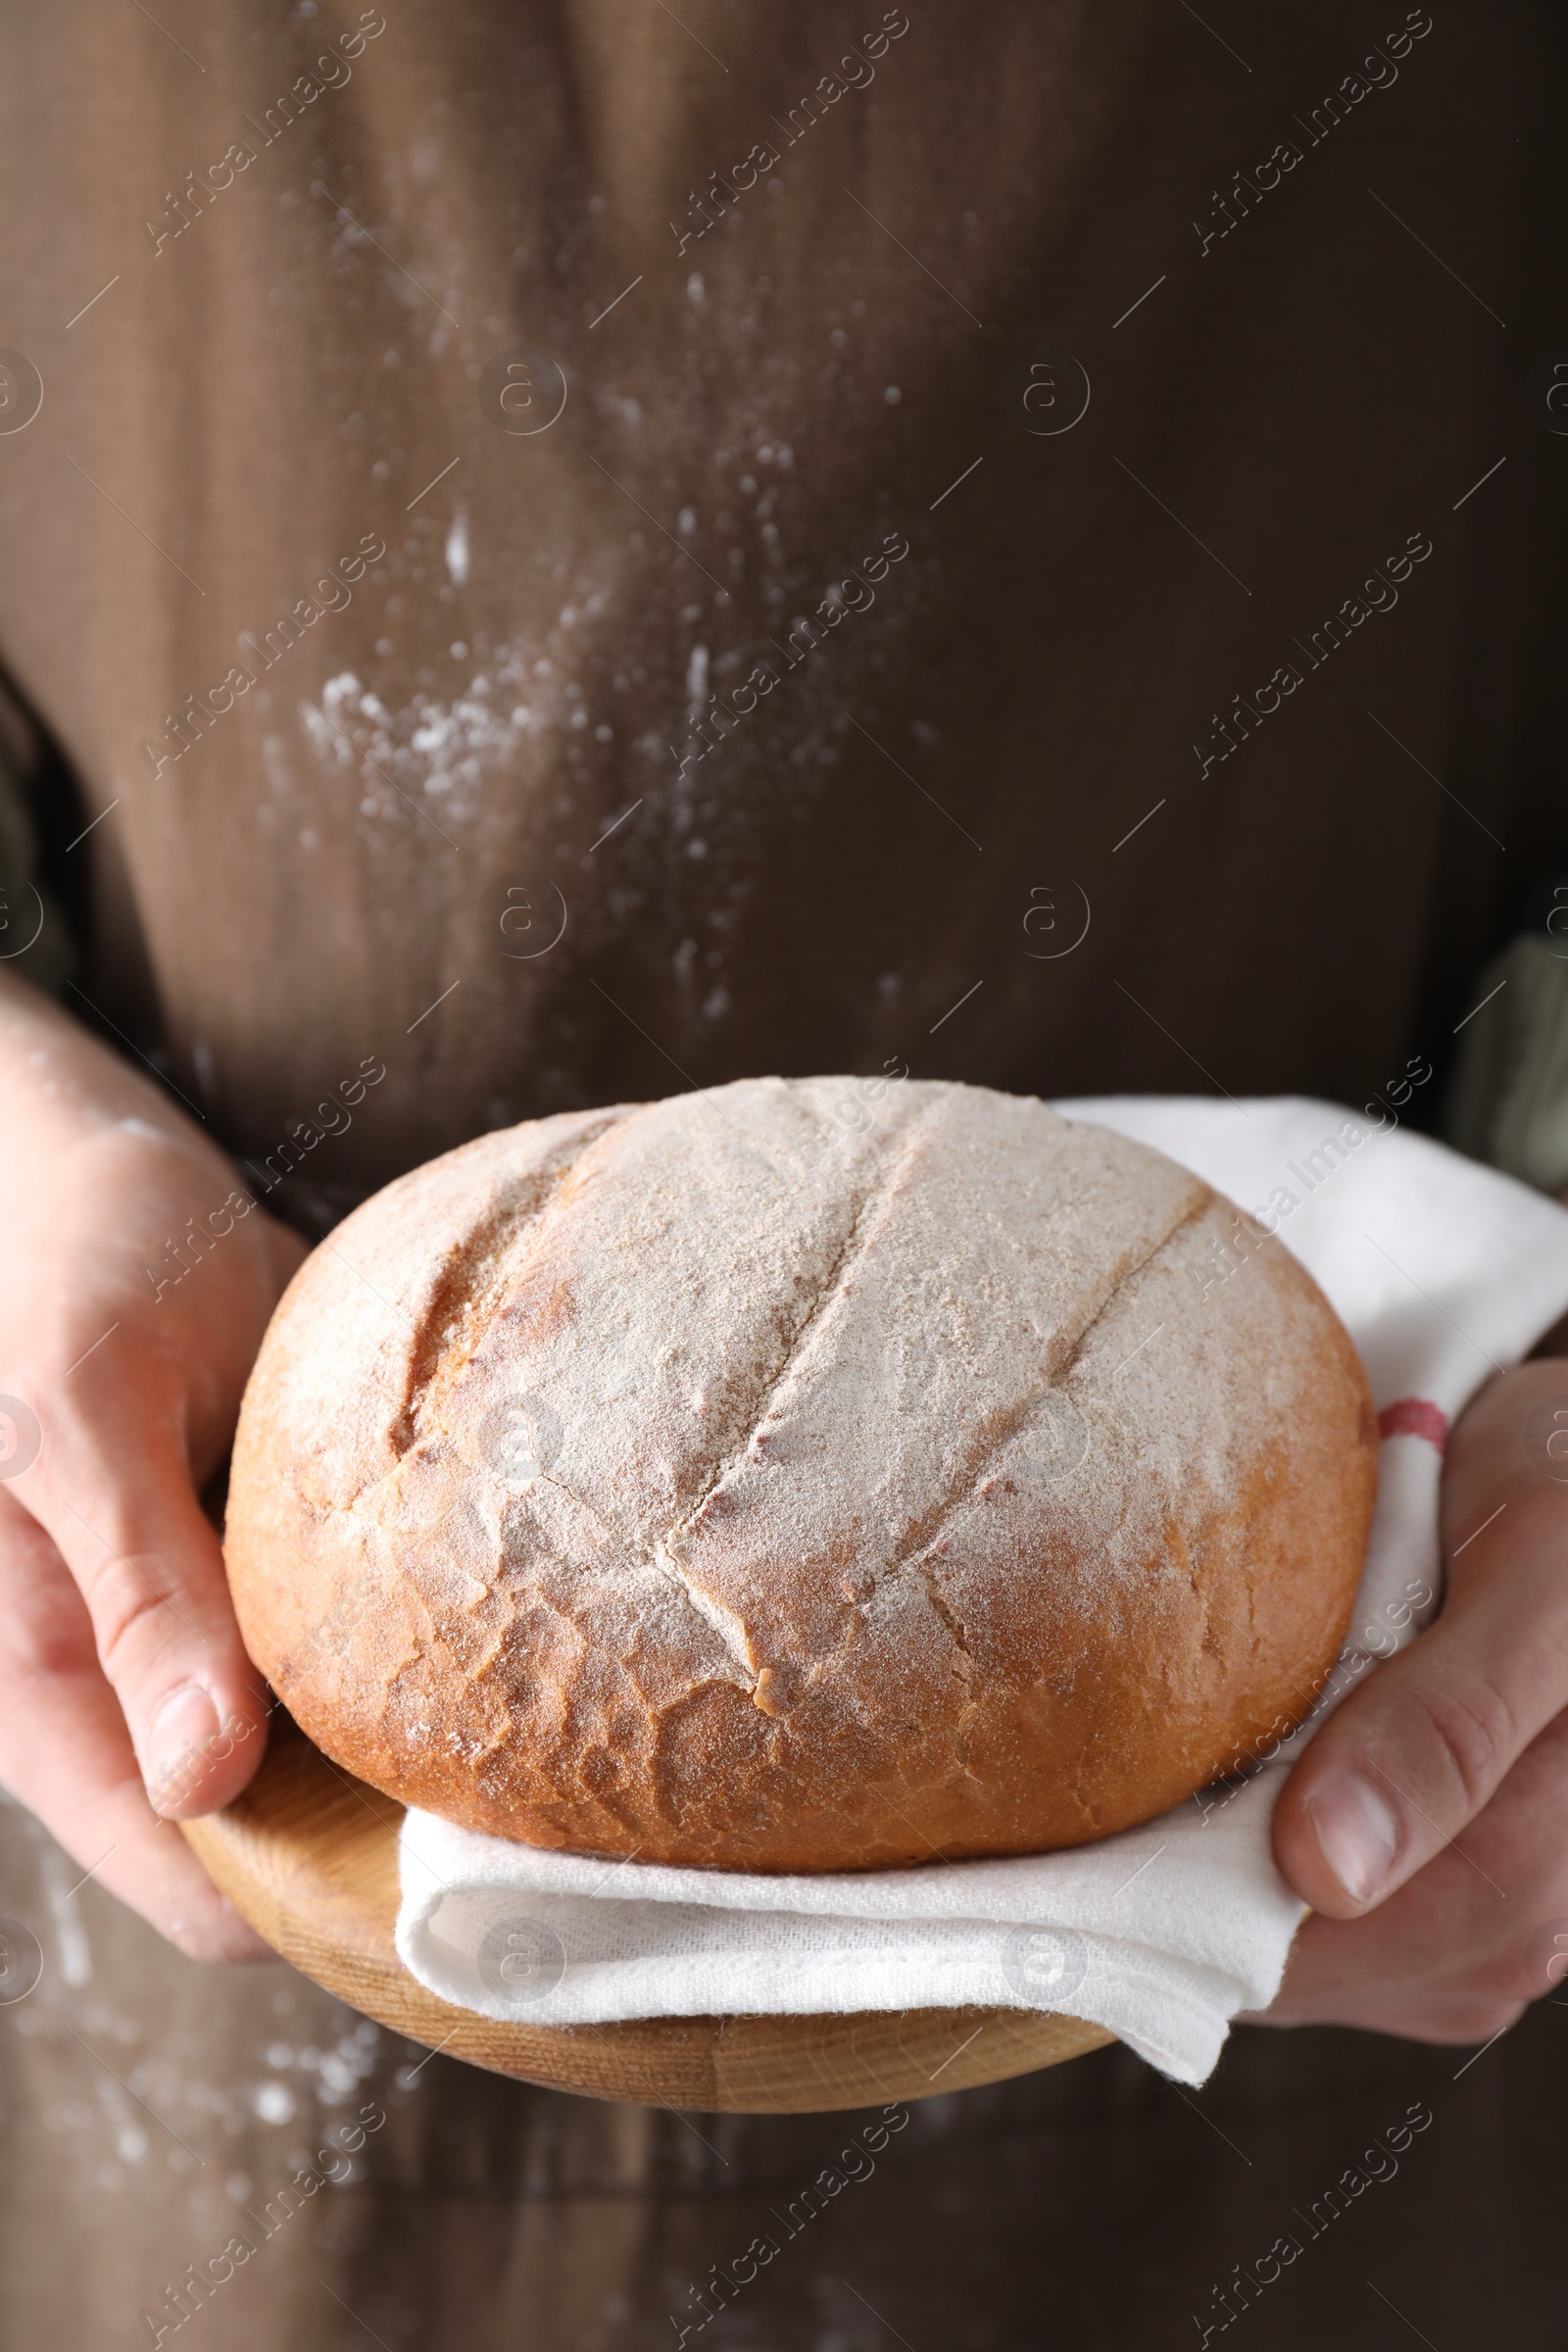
x=1509, y=1098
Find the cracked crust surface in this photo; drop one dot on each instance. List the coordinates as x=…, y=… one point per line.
x=716, y=1481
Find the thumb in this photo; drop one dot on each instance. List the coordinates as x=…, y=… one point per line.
x=1400, y=1769
x=119, y=1504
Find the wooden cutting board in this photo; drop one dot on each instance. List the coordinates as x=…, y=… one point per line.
x=308, y=1856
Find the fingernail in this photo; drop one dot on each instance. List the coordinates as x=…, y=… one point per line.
x=178, y=1738
x=1357, y=1834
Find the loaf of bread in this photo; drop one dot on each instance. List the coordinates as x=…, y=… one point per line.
x=801, y=1475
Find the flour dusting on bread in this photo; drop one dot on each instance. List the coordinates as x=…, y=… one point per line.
x=707, y=1480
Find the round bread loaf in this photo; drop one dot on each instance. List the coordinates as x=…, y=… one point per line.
x=801, y=1475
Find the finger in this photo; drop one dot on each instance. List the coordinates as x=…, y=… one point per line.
x=66, y=1755
x=1404, y=1765
x=113, y=1489
x=1460, y=1950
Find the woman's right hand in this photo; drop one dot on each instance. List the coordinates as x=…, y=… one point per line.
x=127, y=1700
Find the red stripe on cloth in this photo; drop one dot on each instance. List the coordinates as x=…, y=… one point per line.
x=1415, y=1418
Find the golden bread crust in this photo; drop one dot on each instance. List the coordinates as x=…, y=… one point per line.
x=708, y=1481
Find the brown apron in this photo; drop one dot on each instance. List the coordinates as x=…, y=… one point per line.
x=587, y=550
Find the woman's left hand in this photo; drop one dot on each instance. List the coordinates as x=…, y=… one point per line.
x=1427, y=1824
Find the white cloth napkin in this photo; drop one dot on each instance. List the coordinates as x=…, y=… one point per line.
x=1442, y=1271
